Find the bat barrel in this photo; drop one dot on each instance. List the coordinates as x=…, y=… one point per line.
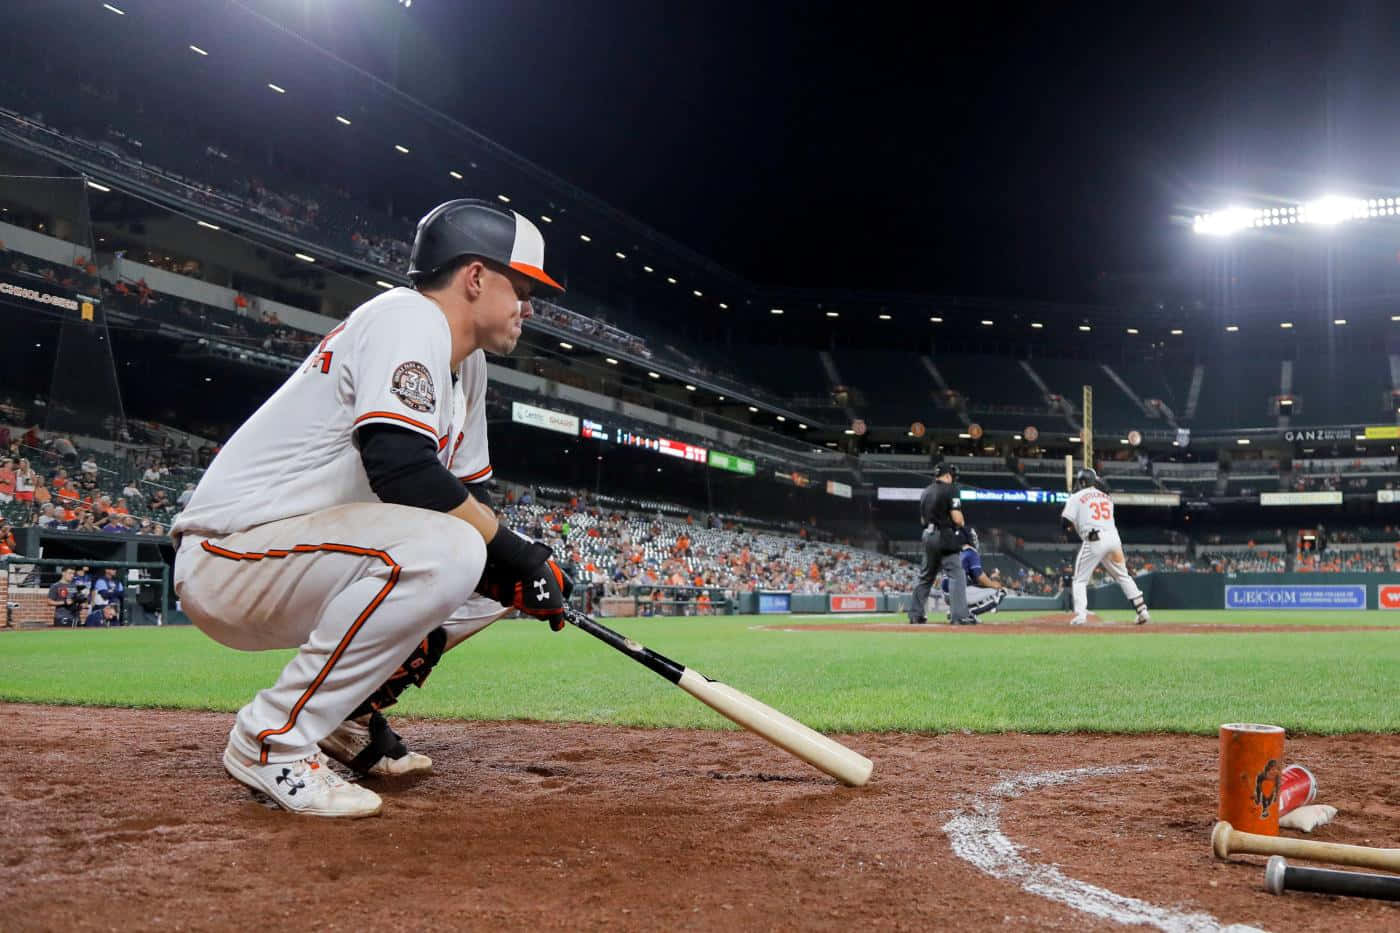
x=1279, y=876
x=1227, y=841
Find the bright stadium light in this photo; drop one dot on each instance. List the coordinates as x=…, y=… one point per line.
x=304, y=258
x=671, y=279
x=753, y=409
x=402, y=150
x=206, y=225
x=1176, y=331
x=801, y=425
x=781, y=418
x=455, y=174
x=648, y=269
x=503, y=199
x=833, y=314
x=1133, y=331
x=277, y=88
x=546, y=220
x=689, y=387
x=1085, y=328
x=96, y=187
x=986, y=323
x=775, y=310
x=585, y=238
x=1036, y=325
x=964, y=437
x=197, y=50
x=723, y=306
x=619, y=254
x=697, y=293
x=1231, y=328
x=383, y=284
x=653, y=375
x=1074, y=439
x=884, y=317
x=108, y=6
x=1286, y=325
x=1331, y=210
x=935, y=320
x=1339, y=321
x=564, y=344
x=1242, y=441
x=344, y=121
x=610, y=361
x=1223, y=223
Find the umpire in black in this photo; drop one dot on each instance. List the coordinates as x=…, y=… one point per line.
x=940, y=511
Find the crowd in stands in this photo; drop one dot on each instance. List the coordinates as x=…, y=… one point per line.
x=1380, y=558
x=48, y=482
x=621, y=549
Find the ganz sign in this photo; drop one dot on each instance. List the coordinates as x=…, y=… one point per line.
x=1321, y=434
x=1295, y=597
x=1388, y=596
x=853, y=603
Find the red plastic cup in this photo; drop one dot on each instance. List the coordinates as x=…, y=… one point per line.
x=1296, y=788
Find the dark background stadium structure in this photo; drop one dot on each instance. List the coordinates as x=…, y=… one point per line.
x=962, y=221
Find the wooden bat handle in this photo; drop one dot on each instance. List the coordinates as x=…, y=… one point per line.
x=1227, y=841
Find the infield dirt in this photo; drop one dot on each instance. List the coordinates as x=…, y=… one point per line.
x=124, y=819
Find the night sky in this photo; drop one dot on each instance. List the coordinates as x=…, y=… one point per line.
x=859, y=145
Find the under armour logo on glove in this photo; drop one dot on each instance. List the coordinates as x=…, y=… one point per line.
x=541, y=589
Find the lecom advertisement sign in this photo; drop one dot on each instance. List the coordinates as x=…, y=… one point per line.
x=861, y=603
x=1388, y=596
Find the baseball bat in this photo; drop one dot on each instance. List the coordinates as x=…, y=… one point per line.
x=1226, y=841
x=1279, y=876
x=847, y=766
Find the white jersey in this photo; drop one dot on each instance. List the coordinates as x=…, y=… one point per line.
x=389, y=362
x=1090, y=508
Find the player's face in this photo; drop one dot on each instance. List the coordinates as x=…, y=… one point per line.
x=506, y=308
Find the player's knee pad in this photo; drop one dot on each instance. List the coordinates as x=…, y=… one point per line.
x=413, y=672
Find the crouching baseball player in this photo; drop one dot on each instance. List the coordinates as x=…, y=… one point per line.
x=1089, y=515
x=983, y=593
x=345, y=519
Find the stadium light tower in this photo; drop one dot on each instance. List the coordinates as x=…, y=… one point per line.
x=1327, y=211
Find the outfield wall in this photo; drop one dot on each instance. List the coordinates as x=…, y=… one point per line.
x=1243, y=591
x=1247, y=591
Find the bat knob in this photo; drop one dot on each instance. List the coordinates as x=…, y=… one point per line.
x=1274, y=874
x=1220, y=839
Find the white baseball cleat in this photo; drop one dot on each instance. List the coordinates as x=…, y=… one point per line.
x=1143, y=618
x=1078, y=620
x=352, y=741
x=308, y=786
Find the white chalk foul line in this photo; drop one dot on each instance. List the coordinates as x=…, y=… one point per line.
x=977, y=837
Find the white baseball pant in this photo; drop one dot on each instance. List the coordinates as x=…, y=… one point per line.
x=1094, y=554
x=354, y=587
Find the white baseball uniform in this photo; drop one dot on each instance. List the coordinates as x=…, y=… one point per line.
x=1090, y=510
x=284, y=544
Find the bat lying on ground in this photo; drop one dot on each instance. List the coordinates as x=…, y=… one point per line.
x=1279, y=876
x=1226, y=840
x=787, y=733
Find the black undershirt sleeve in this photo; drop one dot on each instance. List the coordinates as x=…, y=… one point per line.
x=404, y=469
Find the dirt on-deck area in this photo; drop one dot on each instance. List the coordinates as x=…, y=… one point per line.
x=124, y=819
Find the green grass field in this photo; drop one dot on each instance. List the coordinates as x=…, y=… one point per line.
x=1318, y=682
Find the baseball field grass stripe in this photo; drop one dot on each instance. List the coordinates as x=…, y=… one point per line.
x=833, y=681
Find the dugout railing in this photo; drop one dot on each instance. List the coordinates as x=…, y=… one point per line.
x=666, y=600
x=144, y=597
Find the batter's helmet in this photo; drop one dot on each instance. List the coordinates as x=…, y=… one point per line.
x=949, y=468
x=972, y=540
x=468, y=227
x=1086, y=478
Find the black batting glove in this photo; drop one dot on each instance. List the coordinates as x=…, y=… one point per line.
x=522, y=574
